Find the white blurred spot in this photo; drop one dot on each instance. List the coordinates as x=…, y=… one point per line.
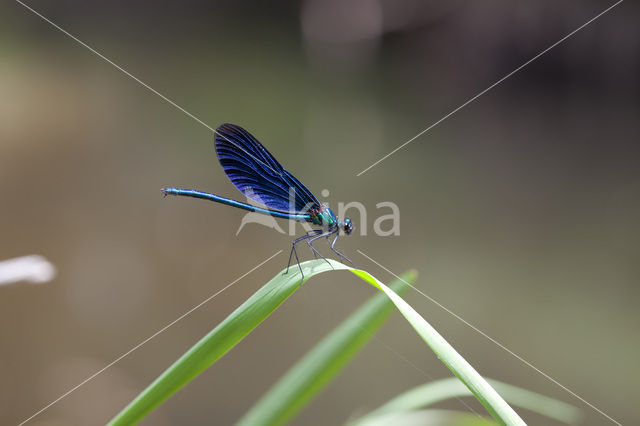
x=33, y=268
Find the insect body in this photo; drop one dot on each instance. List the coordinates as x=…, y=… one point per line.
x=259, y=176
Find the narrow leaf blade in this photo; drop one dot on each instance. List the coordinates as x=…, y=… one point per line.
x=323, y=362
x=440, y=390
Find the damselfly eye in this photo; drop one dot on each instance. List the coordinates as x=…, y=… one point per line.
x=347, y=227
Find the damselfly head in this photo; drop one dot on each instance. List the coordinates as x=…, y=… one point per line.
x=347, y=226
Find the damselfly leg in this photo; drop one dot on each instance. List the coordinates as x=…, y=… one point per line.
x=326, y=234
x=331, y=246
x=312, y=236
x=309, y=234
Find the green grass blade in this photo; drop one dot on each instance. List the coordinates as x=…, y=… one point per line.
x=440, y=390
x=488, y=397
x=322, y=363
x=428, y=417
x=218, y=342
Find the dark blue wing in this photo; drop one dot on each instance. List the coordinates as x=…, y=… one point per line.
x=257, y=174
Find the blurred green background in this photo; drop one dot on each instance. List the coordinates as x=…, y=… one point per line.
x=521, y=212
